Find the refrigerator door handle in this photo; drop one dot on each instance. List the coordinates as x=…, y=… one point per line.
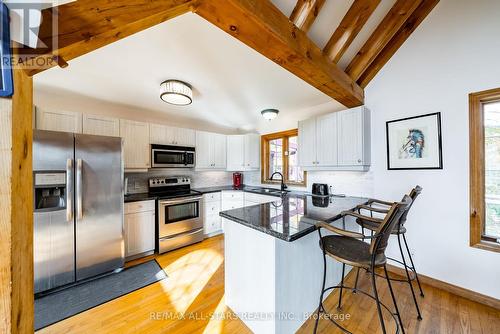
x=69, y=190
x=79, y=189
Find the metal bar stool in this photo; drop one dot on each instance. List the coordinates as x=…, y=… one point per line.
x=399, y=230
x=349, y=248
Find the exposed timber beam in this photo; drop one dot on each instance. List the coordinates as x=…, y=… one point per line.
x=263, y=27
x=352, y=23
x=305, y=12
x=384, y=32
x=84, y=26
x=404, y=32
x=16, y=208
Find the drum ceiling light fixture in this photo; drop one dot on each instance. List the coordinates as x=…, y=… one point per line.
x=269, y=114
x=176, y=92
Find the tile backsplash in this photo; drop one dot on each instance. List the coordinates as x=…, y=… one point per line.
x=342, y=182
x=138, y=182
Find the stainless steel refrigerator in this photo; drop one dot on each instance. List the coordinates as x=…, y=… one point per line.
x=78, y=207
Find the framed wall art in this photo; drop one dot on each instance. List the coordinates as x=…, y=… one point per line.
x=414, y=142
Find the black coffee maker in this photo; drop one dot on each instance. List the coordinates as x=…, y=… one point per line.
x=320, y=189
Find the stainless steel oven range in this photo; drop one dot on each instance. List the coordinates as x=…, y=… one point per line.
x=180, y=220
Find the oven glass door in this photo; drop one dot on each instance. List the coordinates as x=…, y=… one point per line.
x=181, y=211
x=162, y=157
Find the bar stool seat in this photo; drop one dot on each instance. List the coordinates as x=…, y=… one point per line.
x=353, y=252
x=398, y=229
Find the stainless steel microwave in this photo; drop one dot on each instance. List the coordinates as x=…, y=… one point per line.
x=172, y=156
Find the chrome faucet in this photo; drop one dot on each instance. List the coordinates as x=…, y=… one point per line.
x=283, y=185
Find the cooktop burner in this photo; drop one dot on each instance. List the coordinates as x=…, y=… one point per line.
x=168, y=195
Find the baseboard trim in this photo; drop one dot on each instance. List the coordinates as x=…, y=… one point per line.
x=456, y=290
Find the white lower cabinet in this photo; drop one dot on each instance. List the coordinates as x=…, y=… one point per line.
x=139, y=228
x=211, y=218
x=214, y=203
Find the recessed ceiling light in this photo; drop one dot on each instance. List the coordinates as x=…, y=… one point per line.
x=176, y=92
x=269, y=114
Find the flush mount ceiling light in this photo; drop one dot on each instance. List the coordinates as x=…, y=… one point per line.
x=176, y=92
x=269, y=114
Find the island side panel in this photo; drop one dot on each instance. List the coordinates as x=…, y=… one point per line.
x=249, y=276
x=299, y=277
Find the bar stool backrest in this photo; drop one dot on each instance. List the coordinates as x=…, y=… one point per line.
x=379, y=244
x=413, y=195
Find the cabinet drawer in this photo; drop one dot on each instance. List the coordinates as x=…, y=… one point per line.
x=142, y=206
x=212, y=208
x=210, y=197
x=212, y=224
x=232, y=195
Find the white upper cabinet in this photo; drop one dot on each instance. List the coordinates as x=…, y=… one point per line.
x=326, y=140
x=210, y=150
x=219, y=150
x=354, y=137
x=336, y=141
x=101, y=126
x=57, y=120
x=243, y=152
x=307, y=143
x=252, y=151
x=169, y=135
x=136, y=149
x=236, y=152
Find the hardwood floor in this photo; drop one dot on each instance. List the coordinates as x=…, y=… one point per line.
x=191, y=300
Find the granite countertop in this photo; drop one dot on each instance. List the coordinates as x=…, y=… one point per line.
x=139, y=197
x=205, y=190
x=293, y=216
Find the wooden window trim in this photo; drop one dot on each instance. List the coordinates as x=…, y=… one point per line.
x=264, y=158
x=477, y=171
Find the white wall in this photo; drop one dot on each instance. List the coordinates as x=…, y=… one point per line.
x=454, y=52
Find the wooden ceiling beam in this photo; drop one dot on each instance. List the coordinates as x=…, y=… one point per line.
x=305, y=12
x=84, y=26
x=352, y=23
x=399, y=38
x=384, y=32
x=264, y=28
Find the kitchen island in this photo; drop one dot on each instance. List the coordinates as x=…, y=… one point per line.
x=273, y=262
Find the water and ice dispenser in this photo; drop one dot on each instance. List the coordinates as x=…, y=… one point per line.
x=50, y=191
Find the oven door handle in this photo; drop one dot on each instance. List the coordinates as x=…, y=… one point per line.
x=180, y=201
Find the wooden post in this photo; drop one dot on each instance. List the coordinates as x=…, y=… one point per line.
x=16, y=208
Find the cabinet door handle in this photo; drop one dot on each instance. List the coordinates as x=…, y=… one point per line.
x=359, y=160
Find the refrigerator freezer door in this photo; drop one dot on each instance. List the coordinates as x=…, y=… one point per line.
x=54, y=230
x=98, y=205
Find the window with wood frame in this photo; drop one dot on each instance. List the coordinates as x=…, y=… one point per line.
x=484, y=125
x=279, y=154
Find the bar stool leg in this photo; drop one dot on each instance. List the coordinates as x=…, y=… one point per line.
x=375, y=293
x=341, y=285
x=394, y=299
x=419, y=316
x=413, y=266
x=320, y=306
x=356, y=282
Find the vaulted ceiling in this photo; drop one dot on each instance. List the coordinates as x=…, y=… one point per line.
x=337, y=47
